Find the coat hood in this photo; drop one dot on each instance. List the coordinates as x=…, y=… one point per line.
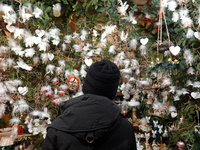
x=86, y=113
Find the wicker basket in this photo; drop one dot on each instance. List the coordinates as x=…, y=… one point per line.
x=162, y=47
x=140, y=2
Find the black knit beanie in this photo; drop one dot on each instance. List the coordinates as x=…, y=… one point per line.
x=102, y=79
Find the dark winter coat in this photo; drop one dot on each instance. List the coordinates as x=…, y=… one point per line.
x=90, y=122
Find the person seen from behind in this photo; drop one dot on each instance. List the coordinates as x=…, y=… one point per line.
x=93, y=121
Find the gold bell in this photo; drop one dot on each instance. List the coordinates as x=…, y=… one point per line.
x=176, y=61
x=169, y=59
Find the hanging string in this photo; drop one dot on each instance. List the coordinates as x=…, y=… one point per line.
x=159, y=38
x=160, y=22
x=167, y=33
x=198, y=116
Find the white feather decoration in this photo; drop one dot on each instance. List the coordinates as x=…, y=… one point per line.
x=58, y=70
x=189, y=33
x=166, y=54
x=98, y=51
x=36, y=122
x=133, y=102
x=35, y=131
x=50, y=68
x=172, y=89
x=23, y=65
x=2, y=109
x=126, y=71
x=196, y=84
x=83, y=35
x=36, y=60
x=62, y=63
x=44, y=57
x=126, y=63
x=77, y=47
x=184, y=91
x=95, y=33
x=10, y=87
x=123, y=36
x=190, y=71
x=55, y=80
x=64, y=47
x=166, y=82
x=189, y=60
x=14, y=121
x=75, y=35
x=90, y=53
x=134, y=63
x=133, y=43
x=10, y=62
x=75, y=72
x=83, y=73
x=186, y=53
x=3, y=65
x=67, y=38
x=45, y=89
x=132, y=80
x=23, y=106
x=36, y=113
x=189, y=83
x=112, y=49
x=67, y=73
x=143, y=50
x=172, y=109
x=63, y=87
x=3, y=50
x=137, y=71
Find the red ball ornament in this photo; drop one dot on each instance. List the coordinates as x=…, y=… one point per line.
x=148, y=20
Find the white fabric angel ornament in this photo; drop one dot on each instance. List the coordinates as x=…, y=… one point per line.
x=138, y=138
x=154, y=133
x=147, y=135
x=160, y=129
x=155, y=123
x=148, y=119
